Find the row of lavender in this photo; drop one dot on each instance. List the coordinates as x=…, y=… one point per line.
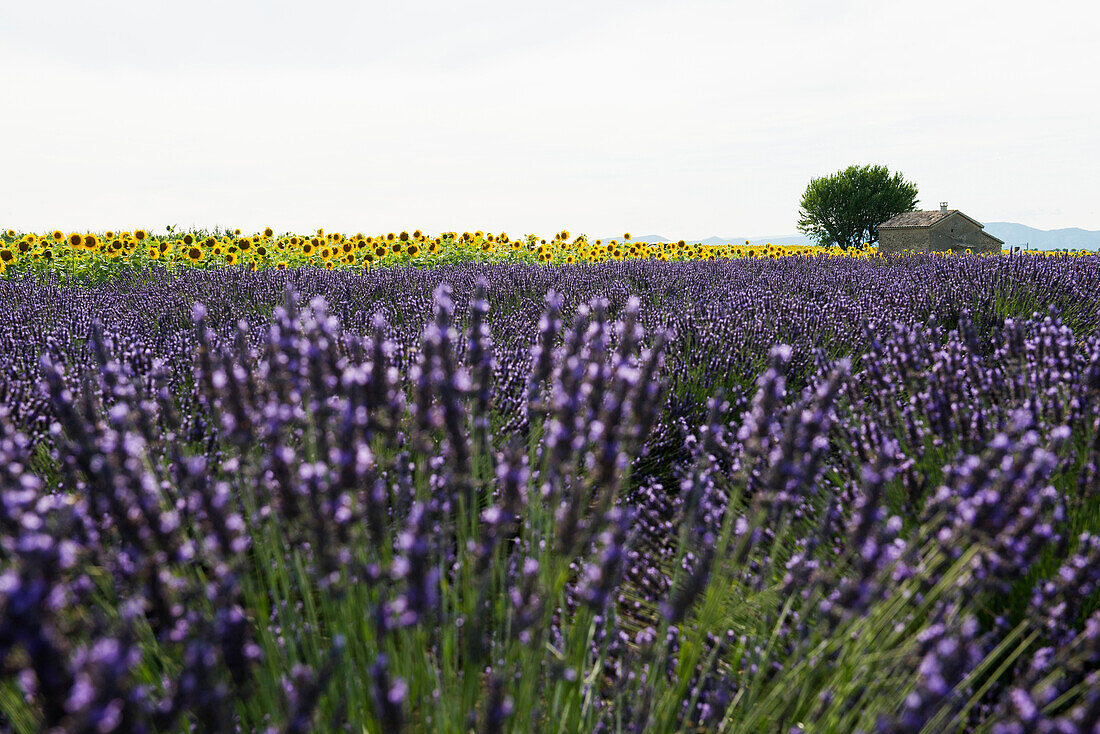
x=618, y=506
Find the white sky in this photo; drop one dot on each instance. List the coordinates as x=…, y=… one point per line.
x=682, y=118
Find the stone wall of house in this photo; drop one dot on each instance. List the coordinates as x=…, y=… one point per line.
x=954, y=233
x=913, y=239
x=958, y=233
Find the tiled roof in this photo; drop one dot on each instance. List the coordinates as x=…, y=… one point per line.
x=917, y=219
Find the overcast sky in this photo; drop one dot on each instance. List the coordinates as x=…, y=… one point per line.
x=683, y=118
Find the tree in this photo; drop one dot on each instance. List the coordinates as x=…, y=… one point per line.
x=847, y=207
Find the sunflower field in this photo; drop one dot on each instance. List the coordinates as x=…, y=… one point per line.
x=92, y=254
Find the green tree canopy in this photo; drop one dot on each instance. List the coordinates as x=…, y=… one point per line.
x=846, y=208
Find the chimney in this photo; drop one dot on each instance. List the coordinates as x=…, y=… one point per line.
x=943, y=207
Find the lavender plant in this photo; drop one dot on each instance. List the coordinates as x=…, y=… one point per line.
x=787, y=496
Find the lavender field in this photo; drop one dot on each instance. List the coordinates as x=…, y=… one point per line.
x=794, y=495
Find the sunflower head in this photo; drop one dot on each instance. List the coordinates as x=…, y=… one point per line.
x=194, y=254
x=269, y=232
x=57, y=235
x=140, y=234
x=75, y=240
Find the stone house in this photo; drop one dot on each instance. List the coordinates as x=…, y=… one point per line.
x=935, y=231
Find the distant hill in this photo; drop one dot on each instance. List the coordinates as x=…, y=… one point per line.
x=1071, y=238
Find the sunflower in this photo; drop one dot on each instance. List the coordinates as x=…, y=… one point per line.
x=307, y=248
x=140, y=234
x=245, y=244
x=320, y=233
x=11, y=233
x=326, y=253
x=231, y=259
x=414, y=250
x=281, y=265
x=237, y=232
x=194, y=254
x=6, y=255
x=90, y=241
x=380, y=251
x=75, y=240
x=433, y=246
x=154, y=253
x=269, y=232
x=188, y=239
x=329, y=265
x=261, y=250
x=165, y=245
x=57, y=235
